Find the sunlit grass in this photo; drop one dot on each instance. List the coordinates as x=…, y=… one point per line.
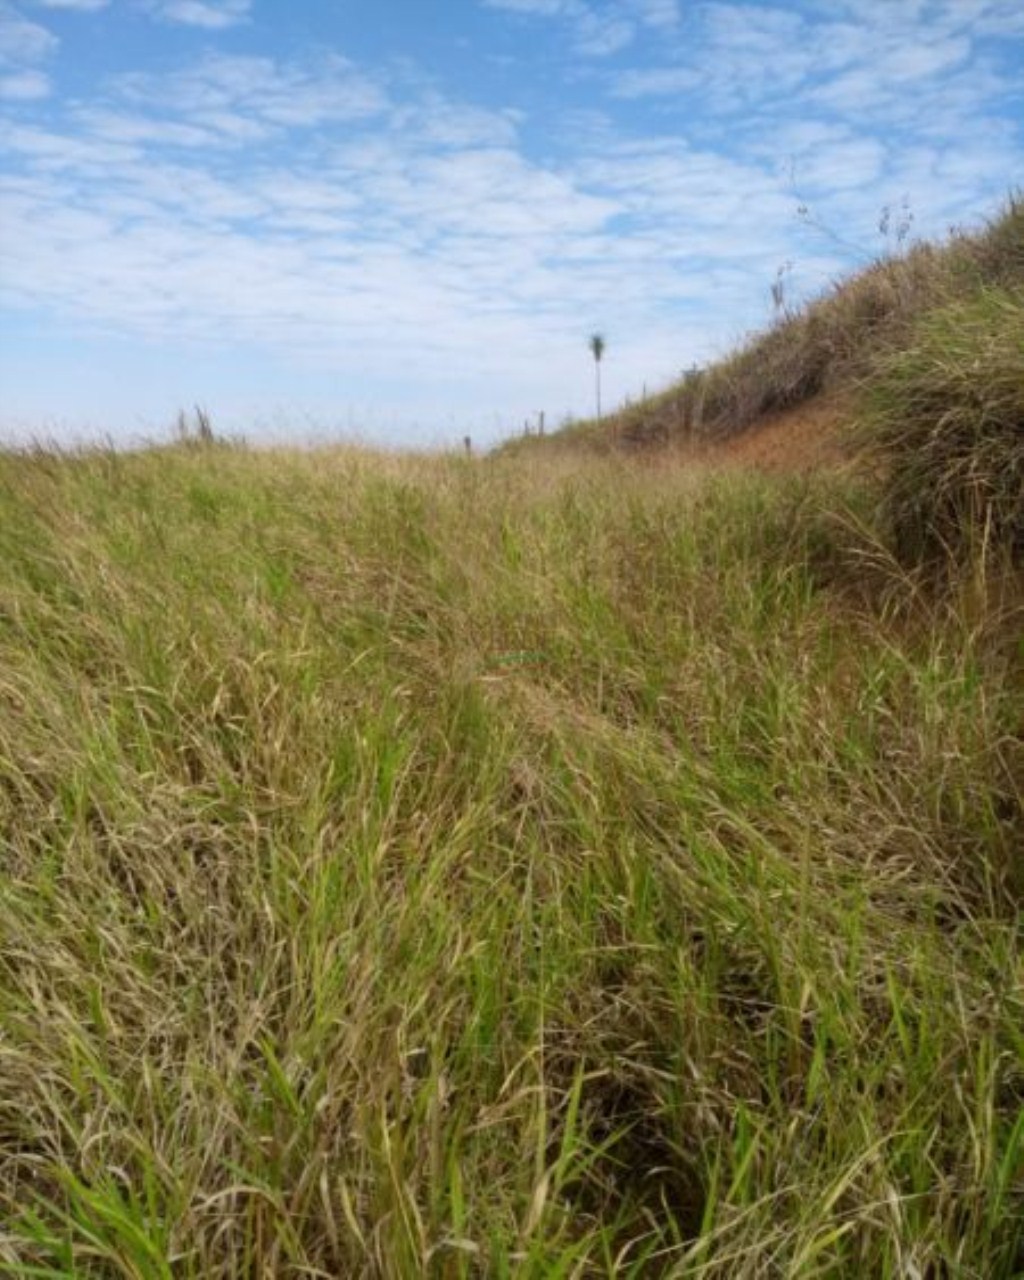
x=450, y=868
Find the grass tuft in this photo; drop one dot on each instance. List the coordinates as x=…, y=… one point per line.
x=945, y=422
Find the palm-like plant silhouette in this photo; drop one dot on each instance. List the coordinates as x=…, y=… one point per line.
x=597, y=345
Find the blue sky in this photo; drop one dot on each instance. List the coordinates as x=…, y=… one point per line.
x=401, y=219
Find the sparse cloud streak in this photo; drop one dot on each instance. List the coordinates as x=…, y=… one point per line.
x=211, y=15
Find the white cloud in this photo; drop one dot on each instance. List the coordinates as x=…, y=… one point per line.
x=541, y=8
x=440, y=123
x=598, y=30
x=24, y=86
x=598, y=35
x=245, y=98
x=654, y=13
x=22, y=41
x=980, y=17
x=78, y=6
x=23, y=45
x=115, y=126
x=656, y=82
x=213, y=15
x=762, y=67
x=661, y=14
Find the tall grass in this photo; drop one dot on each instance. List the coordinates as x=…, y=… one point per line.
x=452, y=868
x=944, y=418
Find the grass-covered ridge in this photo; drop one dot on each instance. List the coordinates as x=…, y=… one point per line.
x=452, y=868
x=829, y=345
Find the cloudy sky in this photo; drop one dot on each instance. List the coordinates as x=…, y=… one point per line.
x=402, y=218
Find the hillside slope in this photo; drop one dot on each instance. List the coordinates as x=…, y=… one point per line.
x=828, y=348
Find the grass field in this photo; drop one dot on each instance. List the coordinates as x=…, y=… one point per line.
x=502, y=867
